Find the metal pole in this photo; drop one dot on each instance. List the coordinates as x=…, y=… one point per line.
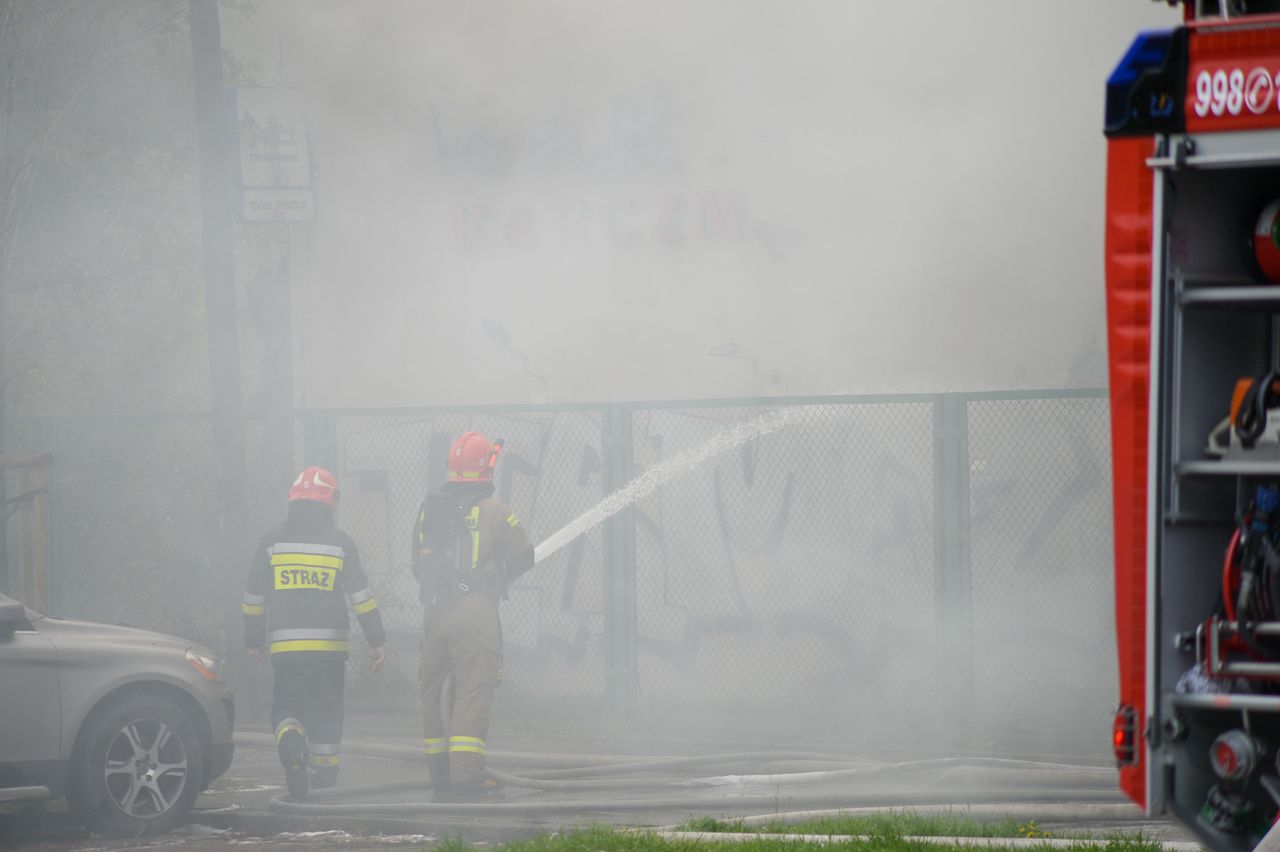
x=320, y=440
x=50, y=439
x=953, y=588
x=7, y=583
x=26, y=571
x=622, y=665
x=40, y=536
x=274, y=401
x=213, y=136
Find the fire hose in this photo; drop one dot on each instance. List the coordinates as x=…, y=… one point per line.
x=954, y=781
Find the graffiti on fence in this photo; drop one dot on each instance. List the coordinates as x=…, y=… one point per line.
x=741, y=564
x=801, y=560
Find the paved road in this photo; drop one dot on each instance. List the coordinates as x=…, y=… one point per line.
x=235, y=812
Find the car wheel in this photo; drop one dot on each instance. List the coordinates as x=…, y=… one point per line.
x=136, y=768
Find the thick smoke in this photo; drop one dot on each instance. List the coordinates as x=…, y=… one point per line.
x=571, y=201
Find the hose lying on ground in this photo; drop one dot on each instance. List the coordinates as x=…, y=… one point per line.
x=1028, y=781
x=692, y=805
x=1053, y=775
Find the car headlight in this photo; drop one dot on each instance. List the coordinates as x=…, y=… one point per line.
x=207, y=666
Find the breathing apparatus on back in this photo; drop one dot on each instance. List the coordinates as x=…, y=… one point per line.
x=446, y=536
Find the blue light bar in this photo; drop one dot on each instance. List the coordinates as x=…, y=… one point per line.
x=1144, y=93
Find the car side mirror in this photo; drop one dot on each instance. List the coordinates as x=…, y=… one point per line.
x=12, y=615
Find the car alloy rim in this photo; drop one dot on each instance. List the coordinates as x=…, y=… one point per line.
x=146, y=768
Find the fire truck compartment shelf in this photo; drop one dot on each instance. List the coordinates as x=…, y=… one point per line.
x=1236, y=150
x=1262, y=628
x=1243, y=297
x=1257, y=703
x=1230, y=467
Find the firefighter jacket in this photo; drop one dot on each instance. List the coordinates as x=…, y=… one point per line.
x=298, y=588
x=499, y=548
x=500, y=545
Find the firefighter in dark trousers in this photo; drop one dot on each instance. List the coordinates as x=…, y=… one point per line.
x=462, y=635
x=294, y=607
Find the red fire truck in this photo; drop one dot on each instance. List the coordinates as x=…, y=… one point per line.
x=1193, y=315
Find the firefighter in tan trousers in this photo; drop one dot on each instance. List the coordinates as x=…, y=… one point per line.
x=467, y=546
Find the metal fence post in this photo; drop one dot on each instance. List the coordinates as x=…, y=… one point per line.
x=50, y=440
x=952, y=582
x=621, y=665
x=320, y=439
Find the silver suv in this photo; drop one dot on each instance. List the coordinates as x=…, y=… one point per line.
x=129, y=725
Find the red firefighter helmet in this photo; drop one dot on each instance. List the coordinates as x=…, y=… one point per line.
x=473, y=458
x=315, y=483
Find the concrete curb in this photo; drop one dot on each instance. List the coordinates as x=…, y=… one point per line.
x=1041, y=812
x=1006, y=842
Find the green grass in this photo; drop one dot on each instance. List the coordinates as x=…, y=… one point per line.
x=888, y=837
x=893, y=823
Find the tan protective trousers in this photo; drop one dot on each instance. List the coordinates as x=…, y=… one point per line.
x=465, y=640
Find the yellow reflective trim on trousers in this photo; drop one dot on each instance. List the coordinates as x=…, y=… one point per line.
x=512, y=520
x=314, y=560
x=253, y=609
x=323, y=760
x=368, y=606
x=309, y=645
x=467, y=744
x=435, y=745
x=286, y=728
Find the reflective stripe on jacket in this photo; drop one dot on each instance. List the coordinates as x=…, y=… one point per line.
x=496, y=536
x=297, y=593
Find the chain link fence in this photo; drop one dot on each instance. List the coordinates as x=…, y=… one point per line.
x=808, y=573
x=133, y=505
x=798, y=564
x=1040, y=526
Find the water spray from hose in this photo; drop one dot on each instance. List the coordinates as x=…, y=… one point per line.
x=662, y=473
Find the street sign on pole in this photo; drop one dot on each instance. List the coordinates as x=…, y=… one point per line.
x=275, y=164
x=273, y=139
x=277, y=205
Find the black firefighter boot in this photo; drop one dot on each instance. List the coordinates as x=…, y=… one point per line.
x=487, y=790
x=324, y=777
x=293, y=756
